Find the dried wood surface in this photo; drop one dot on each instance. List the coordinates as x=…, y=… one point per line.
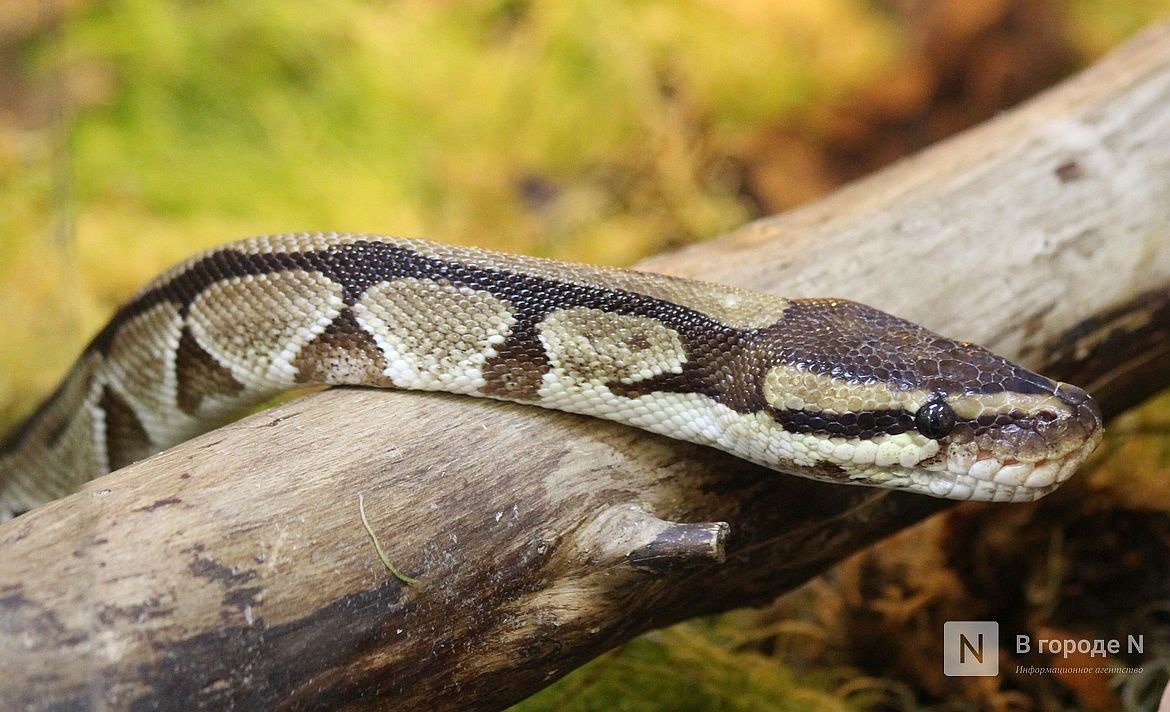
x=234, y=569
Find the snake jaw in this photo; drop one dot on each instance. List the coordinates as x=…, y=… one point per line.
x=1005, y=448
x=1023, y=460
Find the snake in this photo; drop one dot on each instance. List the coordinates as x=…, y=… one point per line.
x=824, y=388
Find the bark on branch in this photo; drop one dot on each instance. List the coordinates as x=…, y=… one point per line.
x=235, y=569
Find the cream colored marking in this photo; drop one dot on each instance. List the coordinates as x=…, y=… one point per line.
x=434, y=335
x=140, y=367
x=797, y=388
x=961, y=457
x=985, y=469
x=973, y=406
x=1014, y=474
x=255, y=325
x=800, y=389
x=1043, y=475
x=590, y=345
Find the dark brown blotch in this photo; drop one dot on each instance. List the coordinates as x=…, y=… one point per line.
x=126, y=438
x=343, y=354
x=517, y=370
x=638, y=342
x=1070, y=171
x=199, y=375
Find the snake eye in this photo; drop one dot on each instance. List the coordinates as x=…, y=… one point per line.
x=935, y=420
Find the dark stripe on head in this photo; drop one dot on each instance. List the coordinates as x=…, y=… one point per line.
x=864, y=424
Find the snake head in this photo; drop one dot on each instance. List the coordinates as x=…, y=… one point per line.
x=1009, y=435
x=867, y=398
x=1015, y=439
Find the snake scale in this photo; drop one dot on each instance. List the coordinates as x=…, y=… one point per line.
x=823, y=388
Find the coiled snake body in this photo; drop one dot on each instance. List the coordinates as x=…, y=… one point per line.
x=823, y=388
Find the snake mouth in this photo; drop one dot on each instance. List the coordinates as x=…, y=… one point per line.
x=1023, y=460
x=992, y=480
x=987, y=477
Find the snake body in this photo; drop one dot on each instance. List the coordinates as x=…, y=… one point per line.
x=824, y=388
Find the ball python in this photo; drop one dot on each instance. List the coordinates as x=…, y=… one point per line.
x=823, y=388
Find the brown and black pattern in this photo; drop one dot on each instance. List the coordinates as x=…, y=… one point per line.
x=199, y=375
x=517, y=369
x=343, y=354
x=843, y=339
x=126, y=438
x=727, y=350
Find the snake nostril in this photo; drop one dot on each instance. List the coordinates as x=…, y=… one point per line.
x=1086, y=413
x=1071, y=394
x=1089, y=416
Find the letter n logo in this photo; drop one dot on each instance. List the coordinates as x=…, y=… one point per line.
x=971, y=648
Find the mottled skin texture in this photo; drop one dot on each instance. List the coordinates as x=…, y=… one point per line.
x=816, y=387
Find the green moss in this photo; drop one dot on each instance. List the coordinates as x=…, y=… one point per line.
x=303, y=115
x=692, y=666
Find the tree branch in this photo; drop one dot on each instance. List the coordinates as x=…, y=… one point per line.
x=235, y=569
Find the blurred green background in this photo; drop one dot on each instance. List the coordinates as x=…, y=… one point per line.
x=134, y=132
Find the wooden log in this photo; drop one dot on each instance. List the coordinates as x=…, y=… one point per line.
x=235, y=570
